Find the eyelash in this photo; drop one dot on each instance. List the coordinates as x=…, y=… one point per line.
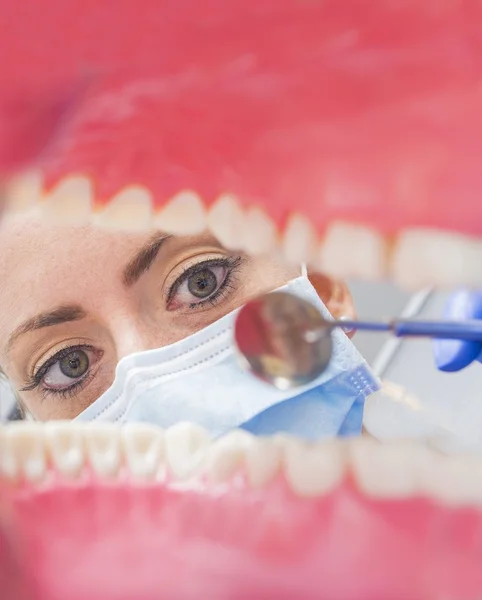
x=37, y=378
x=231, y=264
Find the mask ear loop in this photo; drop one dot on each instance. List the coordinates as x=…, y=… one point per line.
x=304, y=270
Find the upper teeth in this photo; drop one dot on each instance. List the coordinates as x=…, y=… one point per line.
x=415, y=258
x=299, y=240
x=355, y=251
x=423, y=257
x=183, y=215
x=70, y=201
x=24, y=191
x=130, y=209
x=185, y=453
x=225, y=219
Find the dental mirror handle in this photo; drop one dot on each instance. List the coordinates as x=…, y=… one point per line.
x=470, y=330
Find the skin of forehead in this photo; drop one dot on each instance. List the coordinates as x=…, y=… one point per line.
x=44, y=262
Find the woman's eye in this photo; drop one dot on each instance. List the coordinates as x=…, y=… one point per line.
x=199, y=285
x=203, y=283
x=66, y=370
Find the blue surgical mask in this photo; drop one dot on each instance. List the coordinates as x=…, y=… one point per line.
x=199, y=379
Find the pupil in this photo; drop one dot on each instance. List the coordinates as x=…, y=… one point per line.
x=74, y=364
x=202, y=284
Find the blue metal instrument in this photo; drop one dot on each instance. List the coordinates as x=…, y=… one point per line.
x=468, y=330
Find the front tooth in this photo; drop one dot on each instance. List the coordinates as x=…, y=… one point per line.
x=391, y=470
x=70, y=202
x=66, y=447
x=185, y=448
x=455, y=480
x=225, y=456
x=427, y=257
x=24, y=191
x=299, y=240
x=353, y=251
x=129, y=210
x=103, y=446
x=263, y=461
x=314, y=469
x=226, y=221
x=183, y=215
x=143, y=448
x=259, y=235
x=22, y=451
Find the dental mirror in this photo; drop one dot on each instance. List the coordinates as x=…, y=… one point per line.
x=285, y=341
x=272, y=341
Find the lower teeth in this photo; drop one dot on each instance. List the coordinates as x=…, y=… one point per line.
x=184, y=453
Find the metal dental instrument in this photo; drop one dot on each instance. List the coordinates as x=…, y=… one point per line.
x=285, y=341
x=270, y=335
x=470, y=330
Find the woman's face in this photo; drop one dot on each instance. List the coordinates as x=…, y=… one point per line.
x=75, y=300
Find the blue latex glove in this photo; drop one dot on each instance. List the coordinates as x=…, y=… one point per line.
x=454, y=355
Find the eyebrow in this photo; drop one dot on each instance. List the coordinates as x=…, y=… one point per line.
x=141, y=263
x=57, y=316
x=143, y=259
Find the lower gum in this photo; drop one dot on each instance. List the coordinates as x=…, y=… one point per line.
x=238, y=542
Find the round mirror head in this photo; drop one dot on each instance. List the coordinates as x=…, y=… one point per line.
x=272, y=341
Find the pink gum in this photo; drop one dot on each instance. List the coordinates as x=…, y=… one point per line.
x=368, y=112
x=101, y=541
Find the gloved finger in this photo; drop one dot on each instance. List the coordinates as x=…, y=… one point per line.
x=454, y=355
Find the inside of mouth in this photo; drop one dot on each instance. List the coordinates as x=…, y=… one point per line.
x=86, y=272
x=178, y=269
x=152, y=287
x=158, y=210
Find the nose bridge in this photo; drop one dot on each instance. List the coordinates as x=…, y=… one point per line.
x=132, y=333
x=128, y=340
x=132, y=328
